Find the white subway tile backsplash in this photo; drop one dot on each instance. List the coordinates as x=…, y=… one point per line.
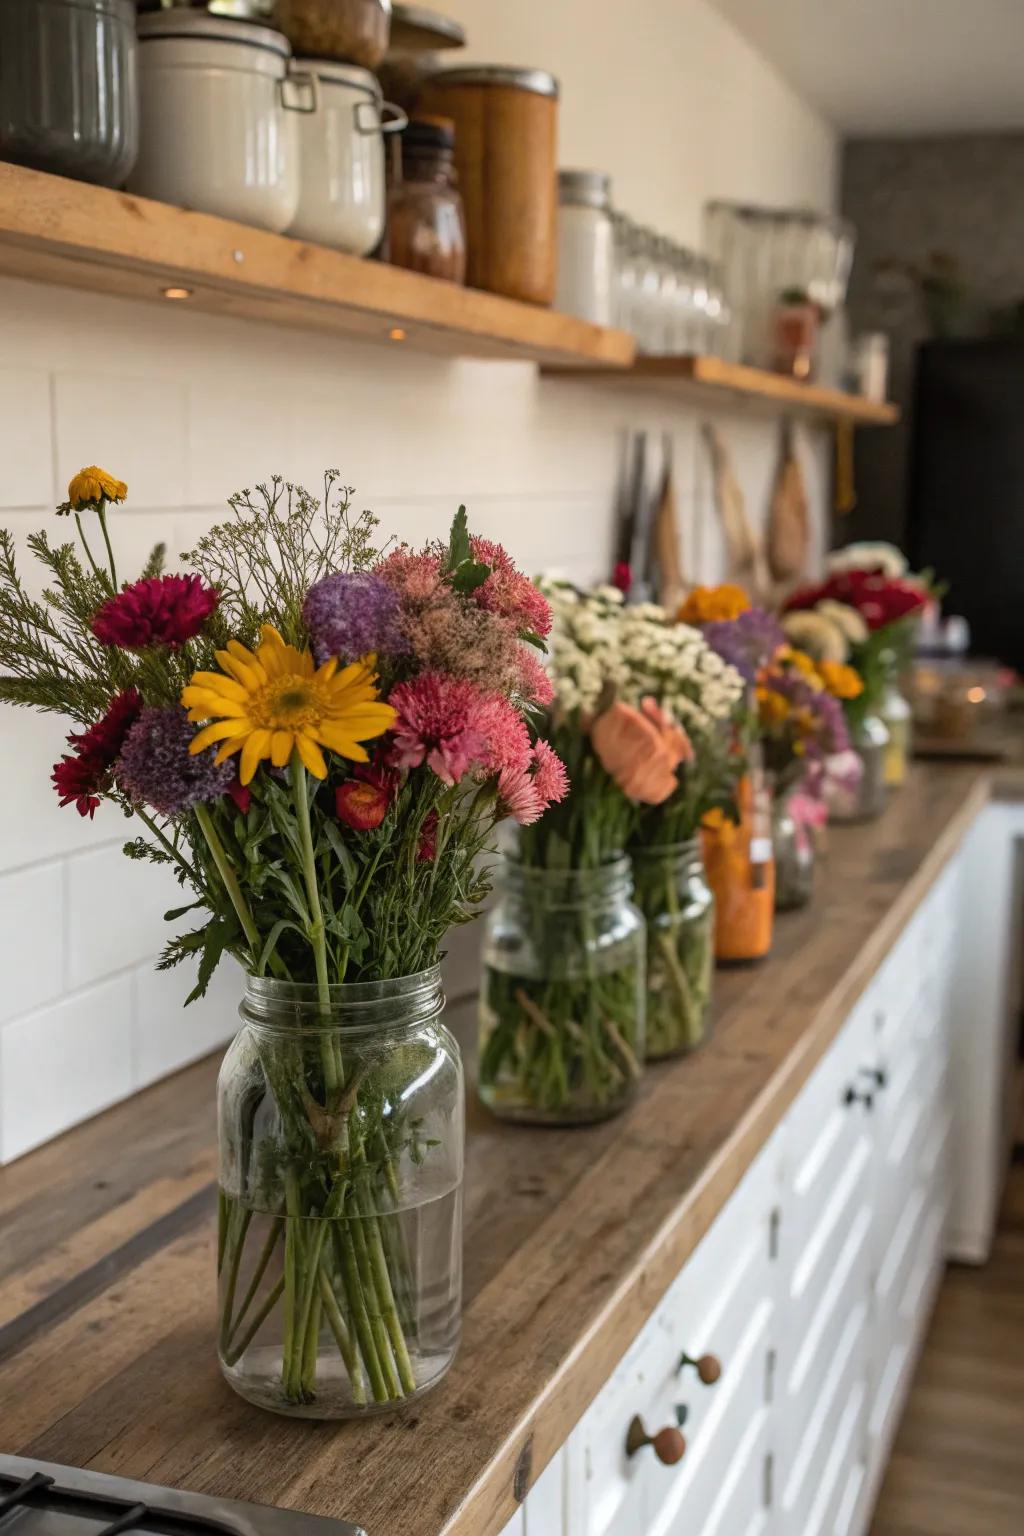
x=167, y=1035
x=115, y=909
x=132, y=426
x=63, y=1064
x=27, y=480
x=31, y=938
x=33, y=824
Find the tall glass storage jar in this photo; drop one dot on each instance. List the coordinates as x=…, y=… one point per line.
x=586, y=247
x=793, y=851
x=679, y=909
x=562, y=1033
x=861, y=796
x=426, y=222
x=341, y=1127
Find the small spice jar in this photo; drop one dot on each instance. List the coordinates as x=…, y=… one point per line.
x=426, y=225
x=586, y=246
x=506, y=131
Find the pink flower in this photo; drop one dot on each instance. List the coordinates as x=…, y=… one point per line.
x=519, y=795
x=415, y=577
x=533, y=683
x=505, y=734
x=440, y=723
x=507, y=591
x=525, y=793
x=161, y=610
x=550, y=776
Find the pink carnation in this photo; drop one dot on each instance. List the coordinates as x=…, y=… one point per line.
x=507, y=591
x=440, y=722
x=533, y=683
x=550, y=776
x=415, y=577
x=525, y=793
x=505, y=733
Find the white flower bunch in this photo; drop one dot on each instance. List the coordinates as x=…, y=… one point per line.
x=867, y=556
x=598, y=640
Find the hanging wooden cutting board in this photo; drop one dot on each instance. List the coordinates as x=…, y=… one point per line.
x=671, y=586
x=789, y=536
x=743, y=549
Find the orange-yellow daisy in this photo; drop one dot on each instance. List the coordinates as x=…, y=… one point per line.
x=707, y=604
x=93, y=485
x=841, y=681
x=274, y=702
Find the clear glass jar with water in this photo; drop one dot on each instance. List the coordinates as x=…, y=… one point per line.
x=341, y=1124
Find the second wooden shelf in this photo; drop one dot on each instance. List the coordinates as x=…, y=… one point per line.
x=700, y=377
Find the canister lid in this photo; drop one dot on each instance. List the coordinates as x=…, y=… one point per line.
x=537, y=80
x=414, y=29
x=239, y=10
x=336, y=73
x=426, y=132
x=588, y=189
x=182, y=22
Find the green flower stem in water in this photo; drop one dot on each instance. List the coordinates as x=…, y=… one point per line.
x=680, y=950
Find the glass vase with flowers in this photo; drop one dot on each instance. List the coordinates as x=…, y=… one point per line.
x=563, y=1003
x=317, y=737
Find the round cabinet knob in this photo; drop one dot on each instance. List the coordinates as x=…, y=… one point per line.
x=668, y=1444
x=708, y=1367
x=853, y=1096
x=877, y=1075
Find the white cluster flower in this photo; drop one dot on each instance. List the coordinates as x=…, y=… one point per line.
x=866, y=556
x=600, y=642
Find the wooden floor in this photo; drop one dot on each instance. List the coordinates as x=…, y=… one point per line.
x=958, y=1464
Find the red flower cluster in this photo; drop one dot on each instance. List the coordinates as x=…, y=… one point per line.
x=82, y=776
x=362, y=801
x=161, y=610
x=879, y=599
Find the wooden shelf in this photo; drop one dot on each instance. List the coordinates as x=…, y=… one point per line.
x=54, y=230
x=707, y=377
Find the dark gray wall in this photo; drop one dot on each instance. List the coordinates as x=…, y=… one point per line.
x=907, y=198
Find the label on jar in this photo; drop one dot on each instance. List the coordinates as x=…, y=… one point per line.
x=760, y=850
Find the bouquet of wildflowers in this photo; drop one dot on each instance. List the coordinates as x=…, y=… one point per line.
x=864, y=614
x=637, y=702
x=318, y=737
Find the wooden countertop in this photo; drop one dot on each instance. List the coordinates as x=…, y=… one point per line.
x=107, y=1295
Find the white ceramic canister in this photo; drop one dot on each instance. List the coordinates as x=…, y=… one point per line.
x=586, y=247
x=342, y=195
x=218, y=128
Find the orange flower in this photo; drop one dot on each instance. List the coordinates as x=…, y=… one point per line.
x=804, y=664
x=841, y=681
x=640, y=749
x=706, y=604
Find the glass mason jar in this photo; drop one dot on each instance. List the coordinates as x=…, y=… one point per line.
x=341, y=1157
x=895, y=713
x=562, y=997
x=676, y=901
x=793, y=848
x=863, y=798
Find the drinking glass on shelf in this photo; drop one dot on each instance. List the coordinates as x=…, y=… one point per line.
x=626, y=273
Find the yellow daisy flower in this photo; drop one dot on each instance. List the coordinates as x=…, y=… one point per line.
x=274, y=702
x=93, y=485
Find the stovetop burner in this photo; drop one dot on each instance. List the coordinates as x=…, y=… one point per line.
x=41, y=1499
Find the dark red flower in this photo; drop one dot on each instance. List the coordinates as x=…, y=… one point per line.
x=162, y=610
x=360, y=805
x=879, y=599
x=84, y=774
x=241, y=794
x=380, y=776
x=622, y=576
x=427, y=849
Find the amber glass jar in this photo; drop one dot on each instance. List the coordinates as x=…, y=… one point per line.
x=740, y=869
x=426, y=224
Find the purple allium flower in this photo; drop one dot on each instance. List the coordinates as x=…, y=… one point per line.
x=155, y=767
x=748, y=642
x=353, y=612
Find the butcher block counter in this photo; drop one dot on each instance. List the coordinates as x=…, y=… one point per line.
x=107, y=1238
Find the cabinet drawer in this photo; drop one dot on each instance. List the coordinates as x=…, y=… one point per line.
x=741, y=1508
x=605, y=1485
x=829, y=1432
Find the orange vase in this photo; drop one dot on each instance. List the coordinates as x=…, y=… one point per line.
x=740, y=870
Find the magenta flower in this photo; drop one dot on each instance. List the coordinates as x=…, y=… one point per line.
x=440, y=722
x=414, y=577
x=161, y=610
x=533, y=684
x=550, y=776
x=526, y=793
x=84, y=774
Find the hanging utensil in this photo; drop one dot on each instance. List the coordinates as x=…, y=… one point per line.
x=671, y=587
x=744, y=553
x=789, y=534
